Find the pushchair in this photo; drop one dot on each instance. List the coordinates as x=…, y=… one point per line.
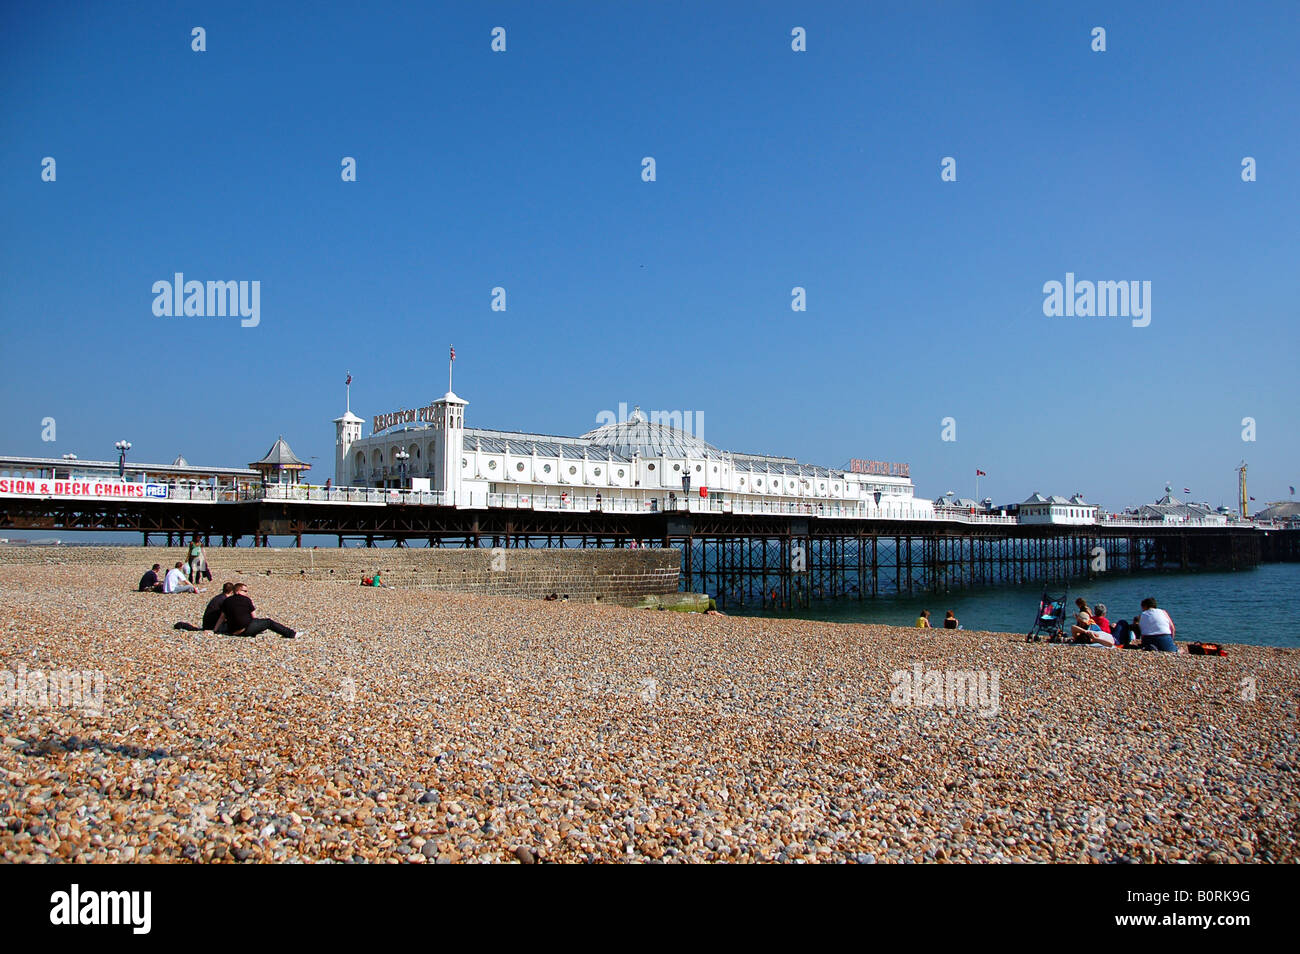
x=1050, y=620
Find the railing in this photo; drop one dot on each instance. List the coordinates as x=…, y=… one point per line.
x=1124, y=521
x=859, y=510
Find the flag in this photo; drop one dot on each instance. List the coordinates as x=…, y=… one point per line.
x=1187, y=490
x=453, y=352
x=1252, y=498
x=980, y=473
x=348, y=382
x=1292, y=491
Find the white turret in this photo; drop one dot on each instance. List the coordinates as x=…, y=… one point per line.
x=347, y=430
x=448, y=445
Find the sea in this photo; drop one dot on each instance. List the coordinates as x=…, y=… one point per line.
x=1260, y=606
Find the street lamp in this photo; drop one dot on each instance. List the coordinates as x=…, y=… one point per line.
x=401, y=456
x=686, y=489
x=122, y=448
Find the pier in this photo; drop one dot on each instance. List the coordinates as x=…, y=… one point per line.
x=789, y=554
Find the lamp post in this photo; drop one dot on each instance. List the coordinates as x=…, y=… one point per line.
x=401, y=456
x=686, y=489
x=122, y=448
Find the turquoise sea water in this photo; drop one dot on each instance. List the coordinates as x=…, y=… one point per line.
x=1260, y=606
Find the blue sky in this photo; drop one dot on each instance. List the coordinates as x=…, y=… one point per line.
x=775, y=169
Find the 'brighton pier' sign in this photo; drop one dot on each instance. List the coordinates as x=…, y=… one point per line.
x=878, y=468
x=418, y=415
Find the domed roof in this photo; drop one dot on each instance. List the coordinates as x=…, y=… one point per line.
x=639, y=435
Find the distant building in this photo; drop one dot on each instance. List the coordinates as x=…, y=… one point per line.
x=1169, y=509
x=1281, y=511
x=1057, y=510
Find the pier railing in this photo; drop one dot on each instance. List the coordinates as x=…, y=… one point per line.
x=651, y=503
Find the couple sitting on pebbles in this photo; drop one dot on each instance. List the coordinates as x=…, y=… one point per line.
x=1153, y=629
x=230, y=612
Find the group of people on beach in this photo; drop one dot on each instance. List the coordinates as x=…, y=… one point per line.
x=184, y=577
x=230, y=612
x=1152, y=628
x=950, y=621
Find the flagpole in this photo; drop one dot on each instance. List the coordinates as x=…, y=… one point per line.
x=348, y=386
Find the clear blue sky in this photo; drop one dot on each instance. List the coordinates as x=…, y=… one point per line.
x=775, y=169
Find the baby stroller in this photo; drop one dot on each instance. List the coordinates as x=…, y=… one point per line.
x=1050, y=620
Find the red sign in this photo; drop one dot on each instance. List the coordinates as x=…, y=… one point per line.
x=45, y=487
x=878, y=468
x=704, y=491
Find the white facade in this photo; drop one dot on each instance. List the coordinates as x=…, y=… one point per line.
x=1057, y=510
x=636, y=462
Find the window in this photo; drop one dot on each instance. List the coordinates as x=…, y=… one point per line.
x=698, y=468
x=492, y=465
x=519, y=466
x=546, y=468
x=620, y=472
x=572, y=470
x=596, y=471
x=650, y=466
x=677, y=466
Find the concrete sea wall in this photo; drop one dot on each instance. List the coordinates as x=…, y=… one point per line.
x=590, y=575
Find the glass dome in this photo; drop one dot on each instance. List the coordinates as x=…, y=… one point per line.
x=638, y=435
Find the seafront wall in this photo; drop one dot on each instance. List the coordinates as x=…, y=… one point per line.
x=591, y=575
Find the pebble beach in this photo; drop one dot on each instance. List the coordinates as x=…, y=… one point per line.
x=409, y=726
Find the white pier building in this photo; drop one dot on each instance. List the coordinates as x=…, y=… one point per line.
x=632, y=465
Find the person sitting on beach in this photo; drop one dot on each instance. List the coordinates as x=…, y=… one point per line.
x=1099, y=617
x=950, y=621
x=923, y=621
x=1079, y=617
x=175, y=581
x=1157, y=628
x=237, y=615
x=149, y=583
x=211, y=615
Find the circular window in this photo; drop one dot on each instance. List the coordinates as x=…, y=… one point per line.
x=620, y=471
x=492, y=465
x=650, y=466
x=677, y=466
x=759, y=482
x=546, y=468
x=715, y=468
x=464, y=462
x=572, y=469
x=596, y=471
x=519, y=466
x=698, y=468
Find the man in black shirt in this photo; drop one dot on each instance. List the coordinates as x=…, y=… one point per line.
x=150, y=582
x=213, y=612
x=237, y=612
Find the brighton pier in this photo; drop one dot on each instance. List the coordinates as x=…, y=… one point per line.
x=752, y=529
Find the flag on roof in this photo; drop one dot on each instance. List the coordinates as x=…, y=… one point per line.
x=453, y=352
x=349, y=380
x=1187, y=490
x=980, y=473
